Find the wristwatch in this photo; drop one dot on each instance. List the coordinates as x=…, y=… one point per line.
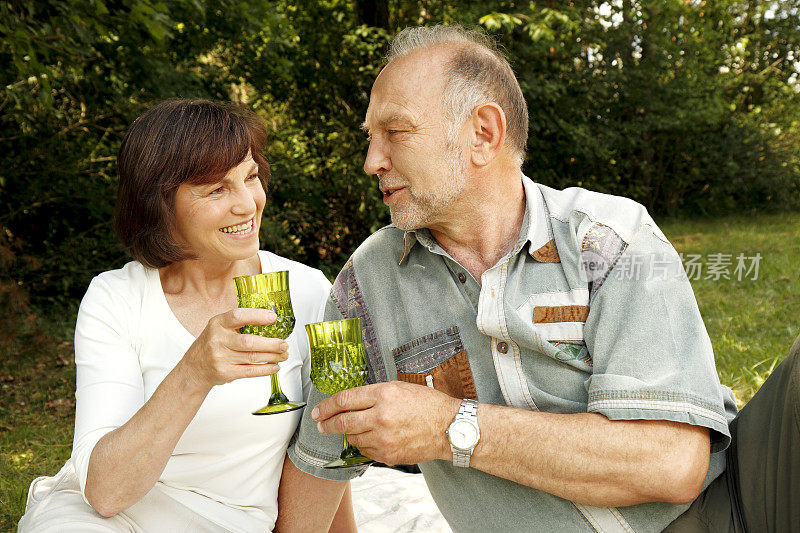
x=463, y=433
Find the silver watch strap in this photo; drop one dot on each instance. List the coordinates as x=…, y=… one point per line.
x=468, y=410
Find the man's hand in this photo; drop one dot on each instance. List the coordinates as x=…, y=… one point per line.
x=394, y=422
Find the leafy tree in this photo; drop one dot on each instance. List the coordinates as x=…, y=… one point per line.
x=74, y=76
x=688, y=106
x=662, y=101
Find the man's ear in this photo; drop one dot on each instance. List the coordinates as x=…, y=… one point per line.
x=488, y=133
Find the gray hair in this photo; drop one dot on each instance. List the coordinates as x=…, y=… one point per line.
x=478, y=72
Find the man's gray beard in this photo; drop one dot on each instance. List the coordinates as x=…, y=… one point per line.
x=419, y=212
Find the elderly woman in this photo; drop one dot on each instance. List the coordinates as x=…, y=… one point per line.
x=164, y=435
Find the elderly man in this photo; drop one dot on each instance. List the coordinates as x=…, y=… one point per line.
x=538, y=352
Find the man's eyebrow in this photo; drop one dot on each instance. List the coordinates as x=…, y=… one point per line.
x=386, y=121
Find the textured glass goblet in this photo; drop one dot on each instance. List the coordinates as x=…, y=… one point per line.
x=269, y=291
x=338, y=362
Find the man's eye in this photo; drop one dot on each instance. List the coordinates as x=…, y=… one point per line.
x=216, y=191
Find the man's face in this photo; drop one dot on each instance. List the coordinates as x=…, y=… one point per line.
x=419, y=172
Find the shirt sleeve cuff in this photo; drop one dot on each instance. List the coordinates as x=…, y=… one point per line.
x=624, y=405
x=312, y=463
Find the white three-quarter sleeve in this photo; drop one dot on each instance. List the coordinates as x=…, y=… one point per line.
x=109, y=387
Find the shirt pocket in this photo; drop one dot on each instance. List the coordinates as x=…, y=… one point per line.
x=437, y=360
x=557, y=317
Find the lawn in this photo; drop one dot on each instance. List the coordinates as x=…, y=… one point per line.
x=752, y=323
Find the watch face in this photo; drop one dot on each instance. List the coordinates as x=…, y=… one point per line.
x=463, y=434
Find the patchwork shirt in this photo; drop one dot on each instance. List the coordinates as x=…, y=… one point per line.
x=591, y=311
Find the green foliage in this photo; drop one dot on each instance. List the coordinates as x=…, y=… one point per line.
x=688, y=107
x=74, y=75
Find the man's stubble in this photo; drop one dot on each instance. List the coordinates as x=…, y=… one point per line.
x=420, y=211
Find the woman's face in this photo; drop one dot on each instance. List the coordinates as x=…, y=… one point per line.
x=220, y=221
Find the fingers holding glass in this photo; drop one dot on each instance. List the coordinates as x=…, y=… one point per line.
x=269, y=291
x=338, y=362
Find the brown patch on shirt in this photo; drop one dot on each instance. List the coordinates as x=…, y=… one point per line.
x=453, y=377
x=564, y=313
x=547, y=253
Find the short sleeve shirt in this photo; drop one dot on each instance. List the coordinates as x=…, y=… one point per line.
x=591, y=311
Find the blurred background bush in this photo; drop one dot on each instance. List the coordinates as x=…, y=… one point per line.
x=690, y=107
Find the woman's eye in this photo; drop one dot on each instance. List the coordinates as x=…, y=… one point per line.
x=218, y=190
x=252, y=177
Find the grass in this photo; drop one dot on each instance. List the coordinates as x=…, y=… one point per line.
x=37, y=402
x=752, y=323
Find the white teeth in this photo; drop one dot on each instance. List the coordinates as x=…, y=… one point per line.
x=239, y=228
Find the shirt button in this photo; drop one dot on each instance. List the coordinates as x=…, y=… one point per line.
x=502, y=347
x=461, y=277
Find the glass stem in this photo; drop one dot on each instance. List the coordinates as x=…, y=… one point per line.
x=349, y=450
x=277, y=395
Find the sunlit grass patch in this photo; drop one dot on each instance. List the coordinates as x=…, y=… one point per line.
x=751, y=322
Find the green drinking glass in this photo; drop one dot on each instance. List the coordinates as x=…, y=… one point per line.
x=269, y=291
x=338, y=362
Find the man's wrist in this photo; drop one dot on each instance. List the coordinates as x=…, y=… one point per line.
x=450, y=410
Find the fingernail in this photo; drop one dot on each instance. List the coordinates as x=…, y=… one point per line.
x=319, y=427
x=284, y=346
x=271, y=315
x=315, y=413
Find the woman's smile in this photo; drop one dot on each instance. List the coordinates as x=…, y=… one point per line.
x=245, y=229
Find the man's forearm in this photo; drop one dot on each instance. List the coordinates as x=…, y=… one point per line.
x=589, y=459
x=583, y=457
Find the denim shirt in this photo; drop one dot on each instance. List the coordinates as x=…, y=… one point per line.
x=591, y=311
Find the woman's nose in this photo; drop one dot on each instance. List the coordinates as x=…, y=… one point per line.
x=244, y=202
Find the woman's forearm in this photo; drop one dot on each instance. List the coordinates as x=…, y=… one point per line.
x=126, y=462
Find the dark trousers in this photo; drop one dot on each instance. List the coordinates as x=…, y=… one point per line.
x=759, y=492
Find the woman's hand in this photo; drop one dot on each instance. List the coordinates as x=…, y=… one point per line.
x=222, y=354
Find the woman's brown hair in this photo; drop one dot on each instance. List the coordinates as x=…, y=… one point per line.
x=178, y=141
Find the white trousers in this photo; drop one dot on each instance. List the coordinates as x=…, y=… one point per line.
x=55, y=504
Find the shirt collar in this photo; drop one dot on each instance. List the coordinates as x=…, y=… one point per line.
x=535, y=226
x=422, y=236
x=539, y=231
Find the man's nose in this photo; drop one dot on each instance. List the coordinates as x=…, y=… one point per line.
x=377, y=160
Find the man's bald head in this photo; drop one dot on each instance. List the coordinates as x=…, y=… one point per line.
x=475, y=72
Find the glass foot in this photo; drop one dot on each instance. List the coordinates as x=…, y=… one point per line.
x=350, y=461
x=277, y=408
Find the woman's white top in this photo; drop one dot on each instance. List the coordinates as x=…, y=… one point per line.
x=227, y=464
